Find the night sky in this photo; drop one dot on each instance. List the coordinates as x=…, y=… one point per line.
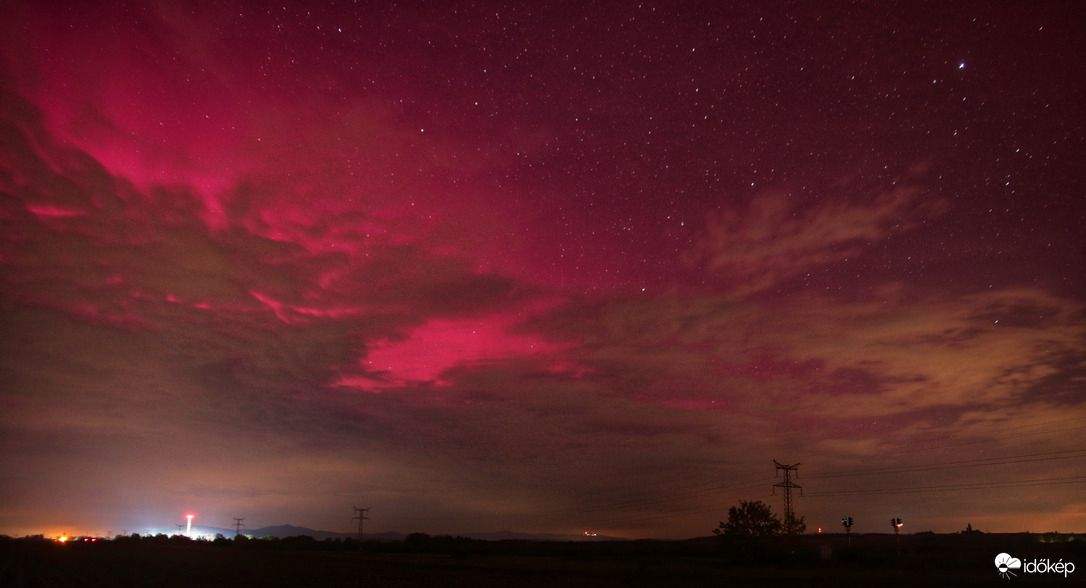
x=542, y=267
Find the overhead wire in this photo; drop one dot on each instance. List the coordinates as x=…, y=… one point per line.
x=952, y=487
x=616, y=511
x=978, y=462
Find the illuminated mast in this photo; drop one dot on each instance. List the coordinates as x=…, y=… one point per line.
x=188, y=529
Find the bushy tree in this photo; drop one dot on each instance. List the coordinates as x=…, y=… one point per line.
x=750, y=519
x=793, y=525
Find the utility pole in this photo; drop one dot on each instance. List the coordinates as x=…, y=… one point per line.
x=237, y=526
x=896, y=524
x=361, y=516
x=787, y=484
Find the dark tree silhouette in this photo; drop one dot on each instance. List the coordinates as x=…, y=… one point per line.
x=793, y=525
x=750, y=519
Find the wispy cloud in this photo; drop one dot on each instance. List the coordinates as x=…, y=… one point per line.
x=776, y=238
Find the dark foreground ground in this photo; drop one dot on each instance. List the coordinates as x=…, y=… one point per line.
x=872, y=561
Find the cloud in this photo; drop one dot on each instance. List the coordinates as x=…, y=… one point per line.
x=775, y=238
x=829, y=369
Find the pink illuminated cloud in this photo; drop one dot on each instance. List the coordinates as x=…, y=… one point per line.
x=424, y=354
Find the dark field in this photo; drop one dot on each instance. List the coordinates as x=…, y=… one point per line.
x=928, y=560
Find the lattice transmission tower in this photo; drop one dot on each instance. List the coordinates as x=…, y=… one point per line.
x=788, y=485
x=361, y=516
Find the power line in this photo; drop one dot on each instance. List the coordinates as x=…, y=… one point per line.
x=603, y=509
x=926, y=489
x=936, y=442
x=714, y=489
x=670, y=512
x=951, y=487
x=609, y=509
x=593, y=512
x=979, y=462
x=613, y=513
x=635, y=501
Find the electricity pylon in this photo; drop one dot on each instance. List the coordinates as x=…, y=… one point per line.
x=787, y=484
x=361, y=516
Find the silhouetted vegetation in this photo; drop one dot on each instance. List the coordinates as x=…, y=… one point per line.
x=425, y=560
x=793, y=525
x=753, y=534
x=756, y=520
x=750, y=520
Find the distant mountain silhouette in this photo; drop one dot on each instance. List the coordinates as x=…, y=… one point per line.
x=513, y=535
x=292, y=531
x=282, y=531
